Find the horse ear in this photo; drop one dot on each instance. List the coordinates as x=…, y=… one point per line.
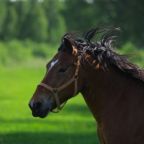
x=68, y=45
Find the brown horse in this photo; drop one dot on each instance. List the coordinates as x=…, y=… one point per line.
x=112, y=87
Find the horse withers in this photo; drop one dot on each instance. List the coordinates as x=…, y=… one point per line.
x=112, y=87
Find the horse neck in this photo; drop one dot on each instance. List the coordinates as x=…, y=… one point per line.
x=103, y=89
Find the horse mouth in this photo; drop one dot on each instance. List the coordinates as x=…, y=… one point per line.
x=41, y=114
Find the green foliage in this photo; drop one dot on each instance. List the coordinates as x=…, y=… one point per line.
x=2, y=16
x=10, y=23
x=17, y=51
x=128, y=47
x=22, y=51
x=48, y=20
x=39, y=21
x=3, y=54
x=79, y=15
x=57, y=30
x=127, y=14
x=134, y=54
x=43, y=50
x=36, y=23
x=22, y=9
x=56, y=21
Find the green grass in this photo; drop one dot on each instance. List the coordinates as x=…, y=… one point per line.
x=74, y=124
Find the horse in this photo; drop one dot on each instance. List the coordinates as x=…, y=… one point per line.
x=112, y=86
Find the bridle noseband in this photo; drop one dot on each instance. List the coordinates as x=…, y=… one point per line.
x=55, y=91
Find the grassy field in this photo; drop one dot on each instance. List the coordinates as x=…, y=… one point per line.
x=74, y=124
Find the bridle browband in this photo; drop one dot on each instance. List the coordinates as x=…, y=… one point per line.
x=55, y=91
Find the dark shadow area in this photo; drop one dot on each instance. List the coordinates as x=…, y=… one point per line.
x=77, y=108
x=48, y=138
x=47, y=122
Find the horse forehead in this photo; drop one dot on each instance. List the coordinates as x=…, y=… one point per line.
x=54, y=62
x=60, y=58
x=64, y=57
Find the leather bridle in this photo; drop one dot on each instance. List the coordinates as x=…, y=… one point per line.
x=55, y=91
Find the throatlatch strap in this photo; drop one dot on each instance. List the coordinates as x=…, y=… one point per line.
x=55, y=93
x=57, y=100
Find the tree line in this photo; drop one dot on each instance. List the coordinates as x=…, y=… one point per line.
x=38, y=21
x=48, y=20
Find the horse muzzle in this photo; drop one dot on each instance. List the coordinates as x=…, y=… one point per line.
x=39, y=109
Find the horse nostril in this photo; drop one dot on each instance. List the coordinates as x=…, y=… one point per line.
x=37, y=105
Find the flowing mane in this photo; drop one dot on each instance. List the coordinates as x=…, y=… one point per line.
x=102, y=51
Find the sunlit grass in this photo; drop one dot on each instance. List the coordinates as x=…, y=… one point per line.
x=74, y=124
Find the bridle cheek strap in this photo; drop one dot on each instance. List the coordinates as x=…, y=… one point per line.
x=55, y=94
x=55, y=91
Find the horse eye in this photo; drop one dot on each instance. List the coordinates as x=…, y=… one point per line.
x=62, y=70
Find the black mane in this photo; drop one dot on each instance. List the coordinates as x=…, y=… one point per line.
x=103, y=52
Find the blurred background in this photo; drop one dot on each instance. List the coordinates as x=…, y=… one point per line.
x=30, y=33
